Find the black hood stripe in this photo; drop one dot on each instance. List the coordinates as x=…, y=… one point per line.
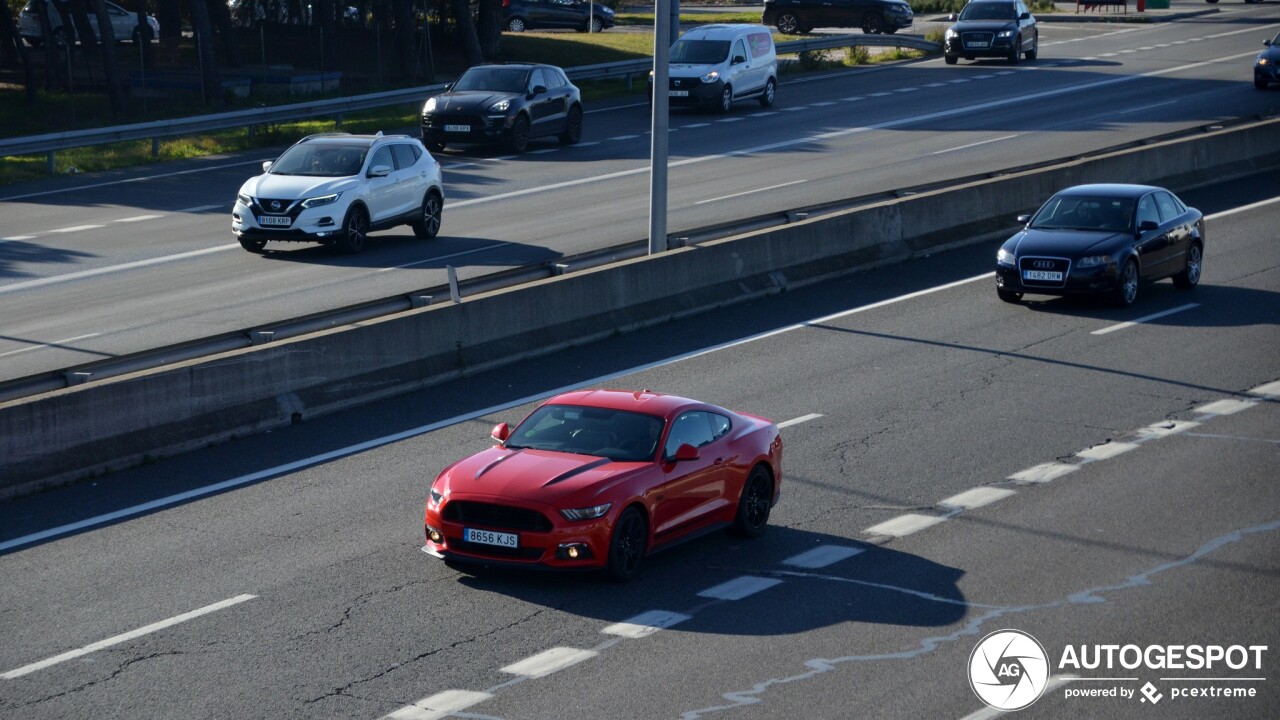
x=570, y=473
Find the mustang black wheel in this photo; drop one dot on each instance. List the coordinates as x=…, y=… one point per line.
x=770, y=92
x=1008, y=296
x=872, y=23
x=1126, y=292
x=355, y=231
x=428, y=224
x=518, y=140
x=627, y=548
x=253, y=246
x=1190, y=275
x=754, y=505
x=789, y=24
x=572, y=127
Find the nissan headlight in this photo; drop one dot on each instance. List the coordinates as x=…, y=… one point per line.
x=244, y=199
x=1004, y=257
x=1094, y=261
x=587, y=513
x=321, y=201
x=711, y=77
x=500, y=107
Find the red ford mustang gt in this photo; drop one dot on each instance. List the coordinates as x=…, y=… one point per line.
x=601, y=478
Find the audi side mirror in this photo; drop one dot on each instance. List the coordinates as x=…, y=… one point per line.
x=1025, y=16
x=500, y=432
x=1148, y=226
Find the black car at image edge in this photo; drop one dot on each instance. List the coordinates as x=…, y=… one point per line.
x=505, y=104
x=793, y=17
x=1266, y=67
x=521, y=15
x=1103, y=239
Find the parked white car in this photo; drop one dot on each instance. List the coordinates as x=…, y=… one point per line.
x=124, y=23
x=336, y=188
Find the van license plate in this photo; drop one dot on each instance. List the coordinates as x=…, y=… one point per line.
x=678, y=93
x=488, y=537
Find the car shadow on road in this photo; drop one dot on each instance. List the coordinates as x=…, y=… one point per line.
x=1215, y=306
x=404, y=251
x=873, y=584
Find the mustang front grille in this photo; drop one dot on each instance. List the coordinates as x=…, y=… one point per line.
x=496, y=516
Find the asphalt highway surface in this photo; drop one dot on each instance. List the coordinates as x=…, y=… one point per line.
x=92, y=268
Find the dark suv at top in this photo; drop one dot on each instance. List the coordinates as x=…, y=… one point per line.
x=793, y=17
x=521, y=15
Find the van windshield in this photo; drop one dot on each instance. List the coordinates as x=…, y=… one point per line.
x=700, y=52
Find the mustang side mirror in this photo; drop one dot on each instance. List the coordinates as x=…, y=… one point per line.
x=686, y=452
x=500, y=432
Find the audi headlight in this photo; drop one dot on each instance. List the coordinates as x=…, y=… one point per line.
x=320, y=201
x=430, y=107
x=950, y=34
x=244, y=199
x=1005, y=33
x=711, y=77
x=1004, y=257
x=1094, y=261
x=587, y=513
x=500, y=107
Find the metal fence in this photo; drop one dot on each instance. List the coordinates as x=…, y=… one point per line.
x=51, y=143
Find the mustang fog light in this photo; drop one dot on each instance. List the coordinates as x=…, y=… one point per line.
x=573, y=551
x=434, y=535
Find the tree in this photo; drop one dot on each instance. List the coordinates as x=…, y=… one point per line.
x=210, y=82
x=220, y=16
x=490, y=29
x=145, y=35
x=115, y=94
x=467, y=32
x=13, y=43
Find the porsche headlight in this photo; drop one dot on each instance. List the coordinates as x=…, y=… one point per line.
x=430, y=107
x=1094, y=261
x=320, y=201
x=1004, y=257
x=500, y=107
x=587, y=513
x=711, y=77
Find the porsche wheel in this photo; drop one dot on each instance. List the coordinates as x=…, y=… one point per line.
x=572, y=127
x=755, y=504
x=627, y=547
x=518, y=140
x=789, y=24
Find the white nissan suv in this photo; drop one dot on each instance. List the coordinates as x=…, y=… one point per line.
x=336, y=188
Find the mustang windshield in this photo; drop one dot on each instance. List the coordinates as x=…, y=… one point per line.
x=616, y=434
x=490, y=79
x=1081, y=212
x=699, y=52
x=321, y=160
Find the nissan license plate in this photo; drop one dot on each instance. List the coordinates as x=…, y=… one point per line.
x=1042, y=275
x=457, y=128
x=276, y=220
x=977, y=44
x=678, y=93
x=489, y=537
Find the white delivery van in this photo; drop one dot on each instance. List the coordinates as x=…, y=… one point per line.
x=713, y=65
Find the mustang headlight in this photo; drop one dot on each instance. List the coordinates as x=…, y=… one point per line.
x=320, y=201
x=1004, y=257
x=587, y=513
x=1094, y=261
x=711, y=77
x=1004, y=33
x=1262, y=61
x=436, y=496
x=430, y=107
x=500, y=107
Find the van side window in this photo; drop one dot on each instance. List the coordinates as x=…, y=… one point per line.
x=740, y=50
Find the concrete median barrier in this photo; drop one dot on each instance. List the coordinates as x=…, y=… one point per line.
x=87, y=429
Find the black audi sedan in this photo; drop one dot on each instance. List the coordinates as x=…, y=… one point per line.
x=992, y=28
x=1266, y=68
x=1100, y=239
x=504, y=104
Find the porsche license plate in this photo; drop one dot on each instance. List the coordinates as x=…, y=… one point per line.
x=1042, y=275
x=274, y=220
x=678, y=93
x=457, y=128
x=489, y=537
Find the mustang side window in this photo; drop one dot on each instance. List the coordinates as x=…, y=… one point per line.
x=691, y=428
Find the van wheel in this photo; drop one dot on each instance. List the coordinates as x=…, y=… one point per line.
x=789, y=24
x=726, y=100
x=770, y=91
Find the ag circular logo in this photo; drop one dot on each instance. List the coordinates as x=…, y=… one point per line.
x=1008, y=670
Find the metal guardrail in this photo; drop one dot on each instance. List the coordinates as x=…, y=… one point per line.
x=53, y=142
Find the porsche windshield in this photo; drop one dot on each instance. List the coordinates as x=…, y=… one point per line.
x=700, y=52
x=616, y=434
x=493, y=79
x=1085, y=212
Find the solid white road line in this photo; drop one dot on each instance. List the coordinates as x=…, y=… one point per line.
x=114, y=268
x=1146, y=107
x=14, y=238
x=76, y=228
x=1229, y=406
x=749, y=192
x=645, y=624
x=1145, y=318
x=976, y=498
x=797, y=421
x=549, y=661
x=139, y=218
x=440, y=705
x=973, y=145
x=1243, y=208
x=1106, y=450
x=55, y=343
x=72, y=654
x=1043, y=473
x=739, y=588
x=904, y=525
x=822, y=556
x=438, y=258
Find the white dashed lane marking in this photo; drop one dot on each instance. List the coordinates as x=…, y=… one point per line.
x=1270, y=390
x=1144, y=319
x=1230, y=406
x=1106, y=450
x=77, y=228
x=904, y=525
x=1043, y=473
x=440, y=705
x=645, y=624
x=797, y=421
x=822, y=556
x=139, y=218
x=739, y=588
x=549, y=661
x=976, y=498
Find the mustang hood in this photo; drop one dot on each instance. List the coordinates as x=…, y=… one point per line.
x=295, y=186
x=1061, y=242
x=540, y=475
x=469, y=101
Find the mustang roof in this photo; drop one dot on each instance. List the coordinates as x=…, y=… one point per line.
x=643, y=401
